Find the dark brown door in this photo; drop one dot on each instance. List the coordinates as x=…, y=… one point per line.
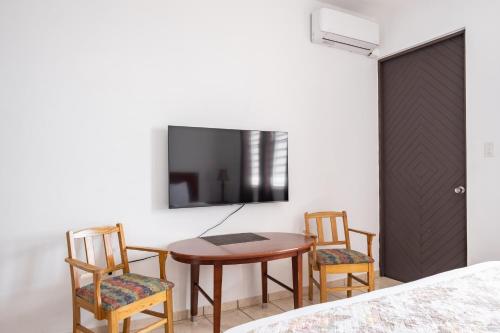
x=422, y=157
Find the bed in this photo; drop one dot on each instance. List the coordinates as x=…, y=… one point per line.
x=462, y=300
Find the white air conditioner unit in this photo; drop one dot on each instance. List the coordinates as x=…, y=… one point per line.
x=345, y=31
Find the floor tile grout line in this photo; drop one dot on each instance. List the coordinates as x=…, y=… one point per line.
x=262, y=307
x=279, y=307
x=246, y=314
x=242, y=310
x=235, y=310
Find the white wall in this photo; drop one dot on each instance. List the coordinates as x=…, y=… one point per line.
x=87, y=89
x=407, y=23
x=483, y=125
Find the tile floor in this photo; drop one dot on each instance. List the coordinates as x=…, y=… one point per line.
x=231, y=318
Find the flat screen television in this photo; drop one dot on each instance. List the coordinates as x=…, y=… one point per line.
x=211, y=166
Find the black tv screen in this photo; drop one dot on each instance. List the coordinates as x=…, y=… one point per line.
x=209, y=166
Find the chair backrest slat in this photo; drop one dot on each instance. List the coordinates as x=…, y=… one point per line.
x=108, y=250
x=319, y=227
x=333, y=225
x=333, y=217
x=89, y=250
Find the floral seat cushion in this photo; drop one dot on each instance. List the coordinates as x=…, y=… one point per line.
x=341, y=256
x=122, y=290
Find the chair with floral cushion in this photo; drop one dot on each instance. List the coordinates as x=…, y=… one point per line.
x=118, y=297
x=337, y=260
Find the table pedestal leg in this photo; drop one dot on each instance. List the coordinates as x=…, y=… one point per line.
x=195, y=278
x=217, y=296
x=297, y=280
x=263, y=273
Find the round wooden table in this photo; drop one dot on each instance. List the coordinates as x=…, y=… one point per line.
x=277, y=245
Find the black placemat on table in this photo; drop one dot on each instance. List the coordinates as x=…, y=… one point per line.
x=234, y=238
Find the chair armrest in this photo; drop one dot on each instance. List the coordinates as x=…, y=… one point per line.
x=369, y=239
x=313, y=236
x=97, y=273
x=147, y=249
x=309, y=234
x=315, y=242
x=85, y=267
x=366, y=233
x=162, y=257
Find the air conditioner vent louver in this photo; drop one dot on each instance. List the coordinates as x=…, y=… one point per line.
x=345, y=31
x=333, y=42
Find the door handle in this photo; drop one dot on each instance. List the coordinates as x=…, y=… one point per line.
x=460, y=190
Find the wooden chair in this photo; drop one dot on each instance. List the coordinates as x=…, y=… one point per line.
x=119, y=297
x=340, y=260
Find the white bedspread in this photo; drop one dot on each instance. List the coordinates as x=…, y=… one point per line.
x=462, y=300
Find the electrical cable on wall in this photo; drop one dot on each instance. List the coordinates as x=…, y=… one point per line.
x=141, y=259
x=224, y=220
x=203, y=233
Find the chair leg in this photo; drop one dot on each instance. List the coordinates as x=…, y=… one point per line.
x=112, y=322
x=371, y=278
x=310, y=290
x=323, y=292
x=76, y=317
x=349, y=284
x=126, y=325
x=169, y=312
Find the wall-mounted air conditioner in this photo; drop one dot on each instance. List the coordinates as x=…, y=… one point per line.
x=345, y=31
